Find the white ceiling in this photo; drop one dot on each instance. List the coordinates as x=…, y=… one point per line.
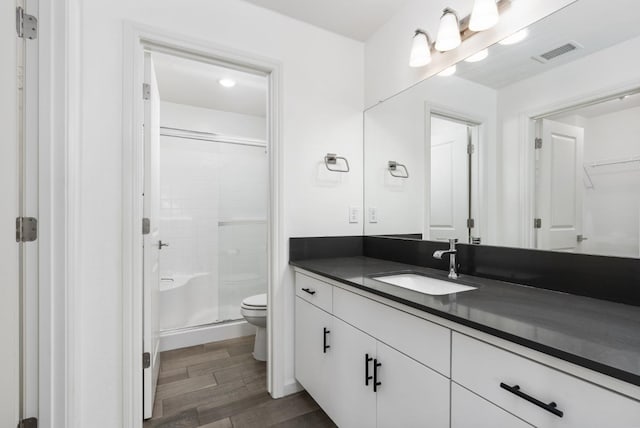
x=357, y=19
x=195, y=83
x=580, y=22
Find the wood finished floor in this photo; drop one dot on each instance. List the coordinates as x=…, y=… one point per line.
x=220, y=385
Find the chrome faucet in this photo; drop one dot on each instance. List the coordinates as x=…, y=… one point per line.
x=452, y=257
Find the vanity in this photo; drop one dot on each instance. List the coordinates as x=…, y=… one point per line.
x=376, y=354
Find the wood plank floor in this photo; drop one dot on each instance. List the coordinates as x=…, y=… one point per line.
x=220, y=385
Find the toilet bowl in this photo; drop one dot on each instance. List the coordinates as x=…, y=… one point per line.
x=254, y=310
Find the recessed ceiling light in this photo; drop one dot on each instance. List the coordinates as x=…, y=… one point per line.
x=479, y=56
x=227, y=83
x=515, y=37
x=448, y=71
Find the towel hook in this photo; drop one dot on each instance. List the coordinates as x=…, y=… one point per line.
x=332, y=159
x=393, y=167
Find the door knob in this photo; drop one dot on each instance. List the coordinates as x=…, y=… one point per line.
x=161, y=244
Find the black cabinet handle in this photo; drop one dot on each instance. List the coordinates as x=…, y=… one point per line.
x=324, y=340
x=376, y=383
x=367, y=360
x=551, y=407
x=310, y=291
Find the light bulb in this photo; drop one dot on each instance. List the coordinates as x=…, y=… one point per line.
x=448, y=31
x=484, y=15
x=448, y=71
x=515, y=38
x=420, y=50
x=479, y=56
x=227, y=83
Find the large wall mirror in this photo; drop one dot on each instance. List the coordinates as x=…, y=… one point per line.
x=534, y=142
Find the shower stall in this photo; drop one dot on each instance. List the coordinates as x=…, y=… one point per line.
x=214, y=199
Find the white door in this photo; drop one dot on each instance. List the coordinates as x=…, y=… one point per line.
x=314, y=352
x=9, y=294
x=351, y=347
x=449, y=201
x=559, y=189
x=151, y=241
x=410, y=394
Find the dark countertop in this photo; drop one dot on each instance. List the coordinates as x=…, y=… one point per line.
x=597, y=334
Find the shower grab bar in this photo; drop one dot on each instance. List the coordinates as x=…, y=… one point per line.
x=393, y=167
x=332, y=159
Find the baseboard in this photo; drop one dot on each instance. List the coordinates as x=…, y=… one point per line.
x=210, y=333
x=291, y=388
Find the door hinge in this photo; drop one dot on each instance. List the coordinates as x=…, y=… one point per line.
x=471, y=223
x=28, y=423
x=146, y=91
x=146, y=226
x=26, y=25
x=470, y=149
x=146, y=360
x=26, y=229
x=538, y=143
x=537, y=223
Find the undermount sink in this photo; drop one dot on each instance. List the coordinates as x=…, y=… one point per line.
x=423, y=284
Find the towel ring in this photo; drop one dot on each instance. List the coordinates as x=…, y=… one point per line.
x=332, y=159
x=393, y=168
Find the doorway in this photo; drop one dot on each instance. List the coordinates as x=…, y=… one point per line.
x=205, y=203
x=453, y=182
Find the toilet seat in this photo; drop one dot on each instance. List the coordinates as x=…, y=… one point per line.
x=256, y=303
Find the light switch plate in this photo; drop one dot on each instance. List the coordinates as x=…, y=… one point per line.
x=354, y=214
x=373, y=215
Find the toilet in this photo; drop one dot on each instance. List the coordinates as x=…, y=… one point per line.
x=254, y=310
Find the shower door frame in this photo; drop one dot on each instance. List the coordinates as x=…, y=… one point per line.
x=137, y=39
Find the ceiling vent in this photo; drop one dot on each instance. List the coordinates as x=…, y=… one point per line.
x=557, y=52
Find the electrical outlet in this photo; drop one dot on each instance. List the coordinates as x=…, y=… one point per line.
x=373, y=215
x=354, y=214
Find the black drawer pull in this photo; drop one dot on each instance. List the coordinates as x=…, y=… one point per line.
x=376, y=383
x=324, y=340
x=367, y=360
x=551, y=407
x=310, y=291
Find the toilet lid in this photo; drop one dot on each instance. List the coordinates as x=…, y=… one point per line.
x=257, y=301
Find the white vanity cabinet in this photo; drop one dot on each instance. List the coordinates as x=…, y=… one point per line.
x=372, y=365
x=536, y=393
x=361, y=381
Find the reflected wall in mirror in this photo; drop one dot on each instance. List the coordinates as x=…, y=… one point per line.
x=537, y=145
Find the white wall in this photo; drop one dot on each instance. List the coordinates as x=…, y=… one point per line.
x=601, y=73
x=322, y=99
x=229, y=124
x=611, y=217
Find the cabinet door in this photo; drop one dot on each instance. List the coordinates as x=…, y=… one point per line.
x=313, y=330
x=355, y=402
x=409, y=394
x=471, y=411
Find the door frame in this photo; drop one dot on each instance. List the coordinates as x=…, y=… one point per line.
x=528, y=131
x=138, y=37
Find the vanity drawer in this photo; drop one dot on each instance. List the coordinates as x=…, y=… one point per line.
x=315, y=292
x=421, y=340
x=488, y=370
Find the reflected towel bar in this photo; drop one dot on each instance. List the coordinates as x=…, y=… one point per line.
x=332, y=159
x=393, y=167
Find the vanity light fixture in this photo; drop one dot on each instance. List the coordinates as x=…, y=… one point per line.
x=484, y=15
x=448, y=71
x=227, y=83
x=478, y=56
x=515, y=38
x=448, y=31
x=420, y=49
